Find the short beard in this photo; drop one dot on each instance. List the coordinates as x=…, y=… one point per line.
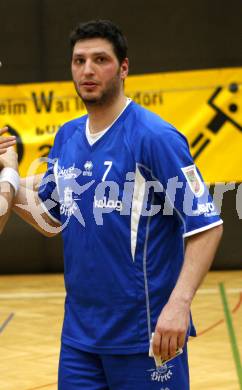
x=107, y=97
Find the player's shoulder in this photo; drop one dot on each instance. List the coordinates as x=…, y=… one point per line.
x=68, y=129
x=151, y=127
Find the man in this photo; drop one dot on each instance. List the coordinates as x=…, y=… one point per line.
x=122, y=185
x=9, y=178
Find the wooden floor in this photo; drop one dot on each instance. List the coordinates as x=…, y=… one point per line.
x=31, y=313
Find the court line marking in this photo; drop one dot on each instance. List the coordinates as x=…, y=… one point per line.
x=231, y=332
x=6, y=322
x=38, y=295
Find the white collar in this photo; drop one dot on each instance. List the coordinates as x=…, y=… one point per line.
x=93, y=137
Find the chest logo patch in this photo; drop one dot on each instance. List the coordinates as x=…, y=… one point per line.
x=88, y=166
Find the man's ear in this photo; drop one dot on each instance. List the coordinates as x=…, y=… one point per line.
x=124, y=68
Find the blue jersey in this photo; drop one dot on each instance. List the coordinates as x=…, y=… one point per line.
x=125, y=203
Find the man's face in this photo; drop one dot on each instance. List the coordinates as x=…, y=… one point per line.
x=96, y=72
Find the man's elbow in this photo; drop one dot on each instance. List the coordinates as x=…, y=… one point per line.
x=48, y=234
x=48, y=229
x=3, y=222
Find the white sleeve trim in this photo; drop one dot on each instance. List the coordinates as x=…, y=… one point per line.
x=202, y=229
x=49, y=214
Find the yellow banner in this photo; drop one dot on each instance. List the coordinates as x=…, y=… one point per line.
x=204, y=105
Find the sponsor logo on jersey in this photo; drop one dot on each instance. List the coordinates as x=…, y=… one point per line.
x=194, y=180
x=161, y=374
x=68, y=206
x=88, y=166
x=67, y=173
x=208, y=209
x=110, y=204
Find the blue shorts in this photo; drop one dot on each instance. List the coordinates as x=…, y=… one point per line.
x=79, y=370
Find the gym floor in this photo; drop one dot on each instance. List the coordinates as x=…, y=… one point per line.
x=31, y=313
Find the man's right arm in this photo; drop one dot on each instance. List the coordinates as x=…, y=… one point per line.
x=6, y=200
x=9, y=180
x=27, y=205
x=7, y=141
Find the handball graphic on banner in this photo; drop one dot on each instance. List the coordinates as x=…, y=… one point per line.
x=204, y=105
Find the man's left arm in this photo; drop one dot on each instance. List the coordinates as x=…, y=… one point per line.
x=173, y=322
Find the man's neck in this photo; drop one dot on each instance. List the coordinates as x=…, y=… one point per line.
x=103, y=116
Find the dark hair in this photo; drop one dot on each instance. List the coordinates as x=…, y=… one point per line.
x=101, y=29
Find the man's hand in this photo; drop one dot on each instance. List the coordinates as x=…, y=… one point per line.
x=6, y=142
x=173, y=322
x=171, y=329
x=9, y=159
